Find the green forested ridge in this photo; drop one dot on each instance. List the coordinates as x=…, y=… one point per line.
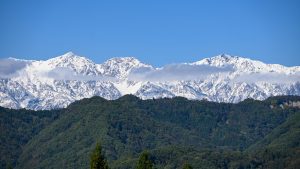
x=250, y=134
x=17, y=127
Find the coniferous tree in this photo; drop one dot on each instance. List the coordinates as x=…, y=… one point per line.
x=9, y=166
x=144, y=161
x=187, y=166
x=98, y=160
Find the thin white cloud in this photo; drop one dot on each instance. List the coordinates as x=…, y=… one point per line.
x=10, y=68
x=176, y=72
x=268, y=77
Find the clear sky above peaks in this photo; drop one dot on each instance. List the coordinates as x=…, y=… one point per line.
x=156, y=32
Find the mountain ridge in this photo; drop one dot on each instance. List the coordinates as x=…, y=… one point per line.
x=59, y=81
x=172, y=129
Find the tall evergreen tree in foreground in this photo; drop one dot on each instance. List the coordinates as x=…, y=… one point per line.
x=98, y=160
x=144, y=161
x=9, y=166
x=187, y=166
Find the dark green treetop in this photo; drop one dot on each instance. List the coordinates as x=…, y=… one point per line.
x=144, y=161
x=98, y=160
x=187, y=166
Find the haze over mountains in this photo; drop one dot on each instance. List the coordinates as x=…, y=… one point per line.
x=57, y=82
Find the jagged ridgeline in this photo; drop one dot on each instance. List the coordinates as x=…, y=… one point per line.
x=257, y=134
x=59, y=81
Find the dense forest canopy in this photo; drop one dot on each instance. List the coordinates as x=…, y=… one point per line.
x=177, y=131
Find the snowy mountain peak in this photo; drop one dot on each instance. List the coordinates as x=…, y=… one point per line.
x=247, y=65
x=69, y=58
x=226, y=56
x=237, y=62
x=121, y=66
x=70, y=53
x=221, y=60
x=123, y=61
x=57, y=82
x=74, y=62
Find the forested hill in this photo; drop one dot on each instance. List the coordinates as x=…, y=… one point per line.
x=249, y=134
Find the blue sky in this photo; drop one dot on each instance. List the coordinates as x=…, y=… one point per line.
x=156, y=32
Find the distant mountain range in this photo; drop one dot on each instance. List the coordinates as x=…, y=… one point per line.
x=57, y=82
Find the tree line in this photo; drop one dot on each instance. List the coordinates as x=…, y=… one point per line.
x=98, y=160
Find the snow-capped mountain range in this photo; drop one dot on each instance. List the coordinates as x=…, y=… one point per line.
x=57, y=82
